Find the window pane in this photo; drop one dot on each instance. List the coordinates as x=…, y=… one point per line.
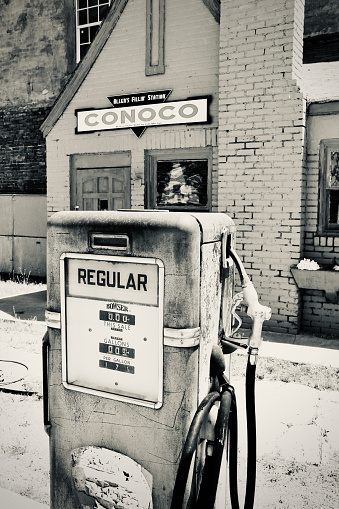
x=334, y=207
x=82, y=17
x=103, y=9
x=93, y=31
x=84, y=35
x=83, y=50
x=334, y=169
x=89, y=12
x=182, y=183
x=93, y=15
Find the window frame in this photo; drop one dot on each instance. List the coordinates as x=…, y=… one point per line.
x=78, y=28
x=155, y=37
x=324, y=226
x=190, y=154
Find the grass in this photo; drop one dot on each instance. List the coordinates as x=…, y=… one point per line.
x=315, y=376
x=15, y=284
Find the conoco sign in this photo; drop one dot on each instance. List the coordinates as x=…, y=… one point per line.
x=141, y=116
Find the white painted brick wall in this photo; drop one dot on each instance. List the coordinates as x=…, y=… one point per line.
x=261, y=132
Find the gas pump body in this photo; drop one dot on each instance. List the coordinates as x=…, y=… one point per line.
x=133, y=311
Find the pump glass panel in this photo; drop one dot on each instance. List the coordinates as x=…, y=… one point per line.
x=112, y=326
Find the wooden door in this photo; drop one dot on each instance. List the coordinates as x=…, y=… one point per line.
x=103, y=188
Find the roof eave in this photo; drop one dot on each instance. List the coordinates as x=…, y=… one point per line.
x=214, y=7
x=84, y=66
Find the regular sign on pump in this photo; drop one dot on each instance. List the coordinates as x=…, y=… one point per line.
x=178, y=112
x=112, y=326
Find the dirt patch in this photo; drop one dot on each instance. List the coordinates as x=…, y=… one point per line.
x=23, y=447
x=24, y=454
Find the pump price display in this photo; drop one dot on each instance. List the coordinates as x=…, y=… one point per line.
x=117, y=350
x=110, y=316
x=116, y=366
x=112, y=335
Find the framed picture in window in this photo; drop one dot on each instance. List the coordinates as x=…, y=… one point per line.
x=328, y=217
x=179, y=179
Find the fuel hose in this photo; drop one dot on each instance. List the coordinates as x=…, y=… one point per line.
x=251, y=436
x=233, y=454
x=190, y=447
x=226, y=424
x=251, y=444
x=210, y=478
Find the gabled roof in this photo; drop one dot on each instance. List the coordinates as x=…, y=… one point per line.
x=87, y=62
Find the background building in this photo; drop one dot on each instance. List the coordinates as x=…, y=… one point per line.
x=253, y=159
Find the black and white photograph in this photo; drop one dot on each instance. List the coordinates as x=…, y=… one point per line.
x=169, y=254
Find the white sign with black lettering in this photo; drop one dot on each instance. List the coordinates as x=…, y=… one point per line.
x=112, y=326
x=146, y=115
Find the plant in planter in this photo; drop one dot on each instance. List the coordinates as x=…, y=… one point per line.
x=308, y=275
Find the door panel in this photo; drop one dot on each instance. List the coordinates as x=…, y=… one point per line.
x=88, y=186
x=88, y=204
x=103, y=184
x=103, y=188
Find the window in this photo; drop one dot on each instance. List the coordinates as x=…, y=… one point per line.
x=89, y=16
x=329, y=186
x=179, y=179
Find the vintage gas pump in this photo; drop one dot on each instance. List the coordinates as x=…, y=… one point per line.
x=134, y=302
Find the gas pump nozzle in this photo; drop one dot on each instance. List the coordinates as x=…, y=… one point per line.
x=255, y=310
x=259, y=314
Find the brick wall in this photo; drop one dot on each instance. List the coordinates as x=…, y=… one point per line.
x=261, y=157
x=319, y=315
x=22, y=151
x=37, y=54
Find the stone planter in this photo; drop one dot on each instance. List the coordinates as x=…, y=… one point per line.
x=326, y=280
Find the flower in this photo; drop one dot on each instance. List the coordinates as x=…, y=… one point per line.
x=307, y=264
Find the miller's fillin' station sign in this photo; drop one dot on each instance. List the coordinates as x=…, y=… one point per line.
x=141, y=110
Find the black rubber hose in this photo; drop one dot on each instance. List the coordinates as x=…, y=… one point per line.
x=190, y=447
x=210, y=478
x=233, y=454
x=251, y=436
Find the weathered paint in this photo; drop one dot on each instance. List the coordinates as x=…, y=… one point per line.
x=23, y=234
x=39, y=42
x=189, y=247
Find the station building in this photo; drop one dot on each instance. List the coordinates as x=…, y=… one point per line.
x=206, y=106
